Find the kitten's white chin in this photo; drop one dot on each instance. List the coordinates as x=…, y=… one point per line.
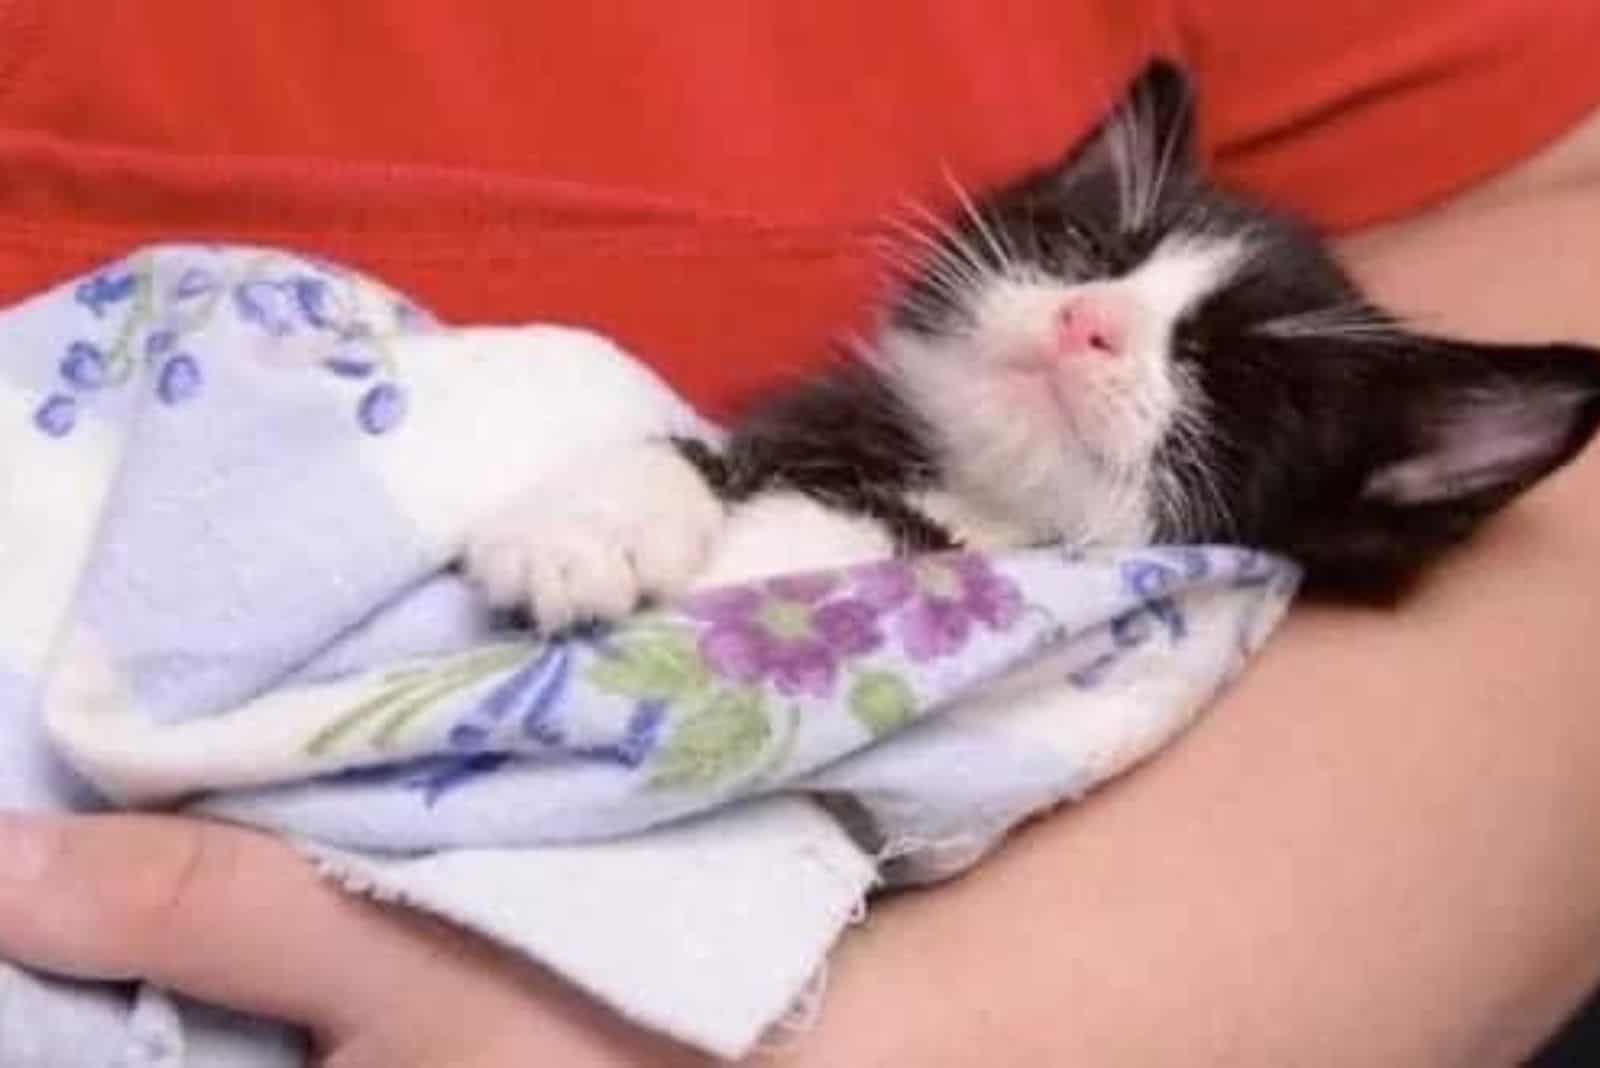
x=1058, y=439
x=1011, y=450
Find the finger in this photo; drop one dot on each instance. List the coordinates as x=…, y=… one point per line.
x=223, y=914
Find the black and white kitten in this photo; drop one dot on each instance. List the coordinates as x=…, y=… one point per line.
x=1110, y=352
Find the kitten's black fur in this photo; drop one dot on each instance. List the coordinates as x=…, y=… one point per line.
x=847, y=440
x=1300, y=425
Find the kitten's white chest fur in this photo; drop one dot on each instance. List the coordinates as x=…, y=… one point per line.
x=788, y=532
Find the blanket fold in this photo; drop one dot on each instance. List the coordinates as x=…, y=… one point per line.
x=232, y=483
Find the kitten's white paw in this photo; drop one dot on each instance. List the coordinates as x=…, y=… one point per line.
x=595, y=541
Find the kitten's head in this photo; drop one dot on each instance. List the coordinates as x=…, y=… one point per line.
x=1116, y=351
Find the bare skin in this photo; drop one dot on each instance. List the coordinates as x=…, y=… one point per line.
x=1376, y=850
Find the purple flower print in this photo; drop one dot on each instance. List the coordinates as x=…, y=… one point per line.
x=937, y=599
x=793, y=630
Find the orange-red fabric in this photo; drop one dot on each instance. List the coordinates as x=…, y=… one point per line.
x=1360, y=111
x=707, y=182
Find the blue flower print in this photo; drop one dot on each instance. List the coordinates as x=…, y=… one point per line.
x=84, y=366
x=1194, y=563
x=104, y=289
x=1151, y=581
x=302, y=299
x=530, y=701
x=350, y=364
x=444, y=776
x=281, y=307
x=160, y=342
x=434, y=776
x=1255, y=568
x=152, y=318
x=269, y=305
x=56, y=416
x=179, y=380
x=195, y=282
x=315, y=298
x=408, y=317
x=382, y=408
x=527, y=694
x=642, y=737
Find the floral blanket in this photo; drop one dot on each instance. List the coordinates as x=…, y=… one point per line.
x=232, y=482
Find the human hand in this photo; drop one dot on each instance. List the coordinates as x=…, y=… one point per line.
x=237, y=918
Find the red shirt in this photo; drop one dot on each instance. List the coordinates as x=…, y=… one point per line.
x=710, y=188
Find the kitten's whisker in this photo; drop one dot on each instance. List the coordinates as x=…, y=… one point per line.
x=905, y=270
x=972, y=212
x=947, y=239
x=941, y=228
x=913, y=220
x=916, y=236
x=949, y=278
x=947, y=257
x=895, y=253
x=1190, y=502
x=1345, y=317
x=1353, y=320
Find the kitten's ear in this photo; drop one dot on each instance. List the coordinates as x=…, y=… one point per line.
x=1486, y=423
x=1152, y=126
x=1453, y=433
x=1163, y=96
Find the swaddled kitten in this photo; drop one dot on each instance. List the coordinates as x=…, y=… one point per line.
x=1110, y=352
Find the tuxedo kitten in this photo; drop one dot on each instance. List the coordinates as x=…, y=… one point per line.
x=1112, y=351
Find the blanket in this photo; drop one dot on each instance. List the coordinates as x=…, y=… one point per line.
x=232, y=485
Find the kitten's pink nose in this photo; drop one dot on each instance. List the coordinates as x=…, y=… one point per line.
x=1091, y=324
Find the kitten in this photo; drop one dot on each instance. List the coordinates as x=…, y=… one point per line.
x=1112, y=351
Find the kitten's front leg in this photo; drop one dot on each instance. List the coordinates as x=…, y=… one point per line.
x=607, y=533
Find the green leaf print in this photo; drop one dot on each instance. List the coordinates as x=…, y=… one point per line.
x=882, y=702
x=658, y=664
x=329, y=737
x=718, y=739
x=409, y=692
